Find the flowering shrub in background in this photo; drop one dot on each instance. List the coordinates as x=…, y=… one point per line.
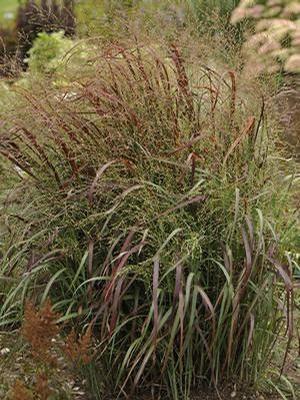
x=275, y=43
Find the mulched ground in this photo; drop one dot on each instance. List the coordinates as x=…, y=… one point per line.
x=16, y=363
x=230, y=392
x=225, y=392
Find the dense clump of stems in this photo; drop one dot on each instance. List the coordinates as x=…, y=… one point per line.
x=150, y=209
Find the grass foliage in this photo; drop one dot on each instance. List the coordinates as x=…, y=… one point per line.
x=145, y=198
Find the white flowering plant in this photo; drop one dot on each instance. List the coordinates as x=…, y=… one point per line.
x=275, y=43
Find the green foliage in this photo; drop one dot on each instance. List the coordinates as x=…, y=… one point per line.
x=7, y=6
x=114, y=20
x=208, y=13
x=48, y=15
x=150, y=202
x=48, y=52
x=204, y=7
x=31, y=19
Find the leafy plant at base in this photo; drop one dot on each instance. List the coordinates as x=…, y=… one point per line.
x=52, y=352
x=151, y=209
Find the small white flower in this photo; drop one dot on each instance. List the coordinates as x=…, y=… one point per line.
x=4, y=351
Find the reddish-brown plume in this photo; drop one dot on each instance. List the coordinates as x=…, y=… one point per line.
x=42, y=387
x=20, y=392
x=39, y=328
x=79, y=350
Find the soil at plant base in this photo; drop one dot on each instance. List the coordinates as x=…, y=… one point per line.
x=226, y=391
x=230, y=392
x=16, y=363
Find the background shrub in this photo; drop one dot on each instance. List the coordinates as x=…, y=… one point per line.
x=33, y=18
x=47, y=52
x=275, y=44
x=46, y=16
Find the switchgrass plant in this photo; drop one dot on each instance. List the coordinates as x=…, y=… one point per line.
x=214, y=16
x=150, y=202
x=205, y=8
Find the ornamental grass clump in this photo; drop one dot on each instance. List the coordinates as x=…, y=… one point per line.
x=152, y=208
